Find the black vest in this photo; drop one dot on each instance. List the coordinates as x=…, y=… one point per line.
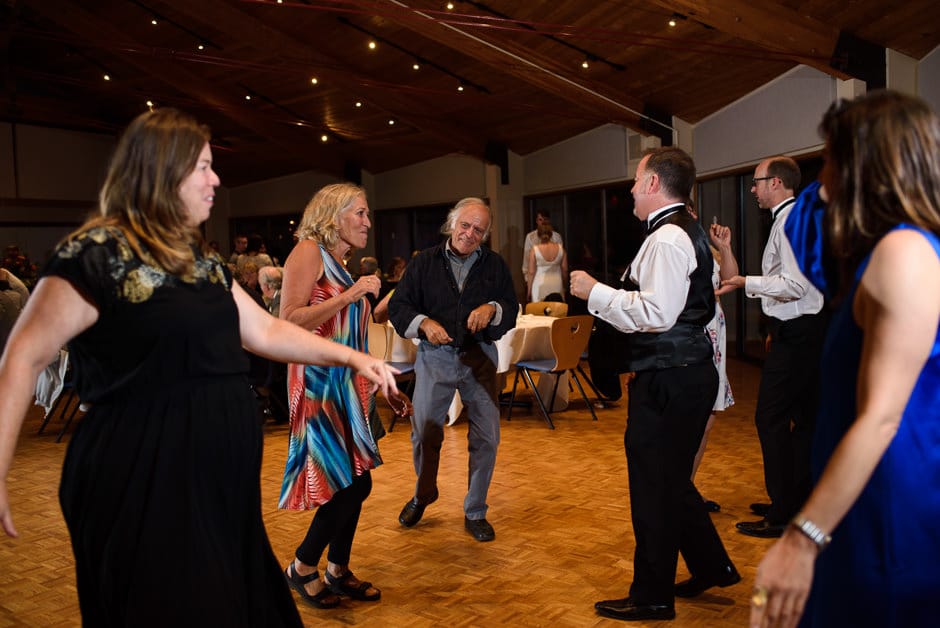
x=687, y=341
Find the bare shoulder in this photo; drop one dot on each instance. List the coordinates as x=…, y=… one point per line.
x=904, y=266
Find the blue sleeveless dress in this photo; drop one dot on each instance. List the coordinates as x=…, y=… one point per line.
x=883, y=566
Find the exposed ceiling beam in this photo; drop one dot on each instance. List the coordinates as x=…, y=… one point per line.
x=524, y=64
x=245, y=26
x=771, y=25
x=82, y=22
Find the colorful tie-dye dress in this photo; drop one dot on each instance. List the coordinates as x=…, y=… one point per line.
x=330, y=438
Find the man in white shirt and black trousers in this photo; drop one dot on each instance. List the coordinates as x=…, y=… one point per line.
x=789, y=388
x=665, y=313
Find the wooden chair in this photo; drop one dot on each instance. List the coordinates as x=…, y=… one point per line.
x=547, y=308
x=380, y=346
x=570, y=336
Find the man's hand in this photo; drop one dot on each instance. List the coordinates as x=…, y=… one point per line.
x=434, y=332
x=581, y=284
x=480, y=317
x=731, y=284
x=720, y=235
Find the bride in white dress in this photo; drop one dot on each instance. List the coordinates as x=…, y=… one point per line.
x=547, y=264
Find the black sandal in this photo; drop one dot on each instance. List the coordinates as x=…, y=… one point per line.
x=340, y=586
x=326, y=598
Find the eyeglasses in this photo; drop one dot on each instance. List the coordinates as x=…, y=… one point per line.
x=756, y=179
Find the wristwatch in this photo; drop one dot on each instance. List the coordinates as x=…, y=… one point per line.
x=812, y=531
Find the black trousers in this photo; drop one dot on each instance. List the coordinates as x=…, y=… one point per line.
x=335, y=524
x=787, y=401
x=668, y=412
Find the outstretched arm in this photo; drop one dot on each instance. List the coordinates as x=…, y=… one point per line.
x=54, y=314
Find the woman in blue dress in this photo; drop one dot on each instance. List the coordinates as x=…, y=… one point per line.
x=877, y=446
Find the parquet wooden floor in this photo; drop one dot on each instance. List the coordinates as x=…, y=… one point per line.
x=558, y=503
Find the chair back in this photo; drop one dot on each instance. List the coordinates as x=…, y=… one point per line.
x=547, y=308
x=570, y=335
x=378, y=340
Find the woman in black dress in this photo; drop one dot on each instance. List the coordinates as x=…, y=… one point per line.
x=160, y=486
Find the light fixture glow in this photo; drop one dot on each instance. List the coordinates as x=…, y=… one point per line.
x=201, y=47
x=371, y=45
x=460, y=88
x=584, y=64
x=358, y=104
x=391, y=122
x=324, y=138
x=154, y=21
x=150, y=105
x=450, y=6
x=107, y=77
x=314, y=81
x=247, y=96
x=416, y=66
x=672, y=22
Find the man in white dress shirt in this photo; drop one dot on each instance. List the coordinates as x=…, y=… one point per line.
x=786, y=402
x=669, y=300
x=531, y=239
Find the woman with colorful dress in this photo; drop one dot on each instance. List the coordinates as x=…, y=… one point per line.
x=864, y=549
x=333, y=424
x=160, y=485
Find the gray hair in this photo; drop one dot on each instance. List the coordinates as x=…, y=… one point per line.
x=451, y=222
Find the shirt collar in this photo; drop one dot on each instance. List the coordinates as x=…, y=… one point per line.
x=776, y=209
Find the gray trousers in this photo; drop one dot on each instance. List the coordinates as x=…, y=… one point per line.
x=439, y=371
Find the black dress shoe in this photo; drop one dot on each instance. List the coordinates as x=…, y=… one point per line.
x=760, y=509
x=411, y=513
x=480, y=529
x=627, y=610
x=696, y=585
x=762, y=529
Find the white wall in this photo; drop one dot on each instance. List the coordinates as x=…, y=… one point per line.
x=928, y=79
x=58, y=164
x=592, y=158
x=778, y=118
x=442, y=180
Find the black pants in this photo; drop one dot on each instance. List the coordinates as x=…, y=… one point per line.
x=787, y=401
x=668, y=410
x=335, y=524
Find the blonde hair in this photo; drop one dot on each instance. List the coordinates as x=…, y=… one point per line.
x=320, y=221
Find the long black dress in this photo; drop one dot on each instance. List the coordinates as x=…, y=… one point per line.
x=160, y=486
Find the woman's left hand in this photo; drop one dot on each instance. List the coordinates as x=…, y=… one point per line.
x=783, y=581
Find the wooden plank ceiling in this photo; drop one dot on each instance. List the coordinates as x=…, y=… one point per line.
x=519, y=64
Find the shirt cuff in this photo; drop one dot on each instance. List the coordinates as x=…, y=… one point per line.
x=498, y=316
x=412, y=331
x=752, y=286
x=600, y=297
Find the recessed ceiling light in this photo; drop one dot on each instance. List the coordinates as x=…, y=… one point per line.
x=585, y=64
x=358, y=104
x=247, y=96
x=201, y=47
x=672, y=22
x=314, y=81
x=107, y=77
x=324, y=138
x=150, y=104
x=450, y=6
x=391, y=122
x=416, y=66
x=460, y=88
x=371, y=45
x=154, y=21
